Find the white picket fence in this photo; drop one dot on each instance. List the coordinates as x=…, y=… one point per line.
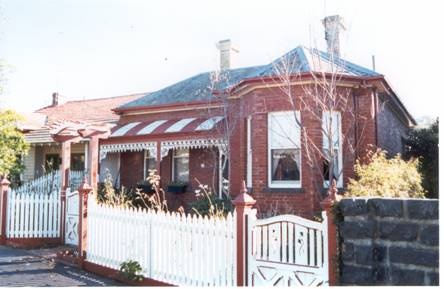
x=33, y=215
x=50, y=182
x=42, y=185
x=177, y=249
x=75, y=179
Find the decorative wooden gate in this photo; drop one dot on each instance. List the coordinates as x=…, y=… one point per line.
x=287, y=250
x=72, y=218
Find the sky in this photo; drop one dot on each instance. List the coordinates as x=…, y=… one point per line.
x=100, y=48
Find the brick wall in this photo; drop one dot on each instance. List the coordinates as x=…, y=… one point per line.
x=131, y=168
x=203, y=166
x=389, y=242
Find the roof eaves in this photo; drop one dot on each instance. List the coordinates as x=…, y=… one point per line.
x=399, y=102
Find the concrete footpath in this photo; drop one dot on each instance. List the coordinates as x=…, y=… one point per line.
x=38, y=268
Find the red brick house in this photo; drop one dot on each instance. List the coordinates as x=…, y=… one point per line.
x=189, y=128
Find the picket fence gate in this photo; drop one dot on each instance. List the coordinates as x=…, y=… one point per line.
x=287, y=250
x=175, y=248
x=33, y=215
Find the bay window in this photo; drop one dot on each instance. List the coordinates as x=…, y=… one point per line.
x=332, y=146
x=181, y=165
x=284, y=150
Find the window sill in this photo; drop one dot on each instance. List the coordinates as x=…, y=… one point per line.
x=340, y=190
x=284, y=190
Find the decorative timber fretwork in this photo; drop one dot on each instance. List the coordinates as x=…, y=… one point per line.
x=123, y=147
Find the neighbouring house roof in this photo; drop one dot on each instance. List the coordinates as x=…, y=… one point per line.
x=200, y=87
x=41, y=135
x=91, y=111
x=31, y=121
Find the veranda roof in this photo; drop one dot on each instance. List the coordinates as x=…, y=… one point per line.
x=123, y=135
x=164, y=126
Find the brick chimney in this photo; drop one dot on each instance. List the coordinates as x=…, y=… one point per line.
x=55, y=99
x=225, y=49
x=333, y=25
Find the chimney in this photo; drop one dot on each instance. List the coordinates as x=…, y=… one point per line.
x=55, y=99
x=225, y=49
x=333, y=25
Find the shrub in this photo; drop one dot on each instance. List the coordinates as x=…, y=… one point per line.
x=383, y=177
x=109, y=195
x=155, y=200
x=208, y=204
x=131, y=270
x=423, y=143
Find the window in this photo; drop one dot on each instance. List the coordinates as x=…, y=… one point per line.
x=181, y=165
x=249, y=155
x=223, y=174
x=52, y=162
x=78, y=162
x=149, y=164
x=284, y=150
x=331, y=131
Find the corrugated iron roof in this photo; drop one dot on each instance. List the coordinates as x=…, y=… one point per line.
x=39, y=136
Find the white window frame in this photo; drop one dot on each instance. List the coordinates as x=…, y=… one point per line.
x=283, y=184
x=173, y=164
x=249, y=155
x=146, y=155
x=325, y=145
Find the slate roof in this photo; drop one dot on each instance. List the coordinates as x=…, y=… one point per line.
x=299, y=60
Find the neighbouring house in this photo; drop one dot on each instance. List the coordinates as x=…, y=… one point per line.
x=239, y=124
x=45, y=153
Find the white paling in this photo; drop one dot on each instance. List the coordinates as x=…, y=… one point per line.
x=33, y=215
x=178, y=249
x=75, y=179
x=41, y=185
x=50, y=182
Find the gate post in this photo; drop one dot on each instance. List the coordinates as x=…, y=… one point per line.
x=4, y=188
x=64, y=175
x=327, y=205
x=84, y=190
x=243, y=204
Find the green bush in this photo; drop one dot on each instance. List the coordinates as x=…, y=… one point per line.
x=131, y=270
x=383, y=177
x=423, y=143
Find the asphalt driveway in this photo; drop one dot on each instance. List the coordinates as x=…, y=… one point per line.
x=38, y=268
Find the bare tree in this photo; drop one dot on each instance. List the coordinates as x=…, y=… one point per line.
x=328, y=100
x=220, y=79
